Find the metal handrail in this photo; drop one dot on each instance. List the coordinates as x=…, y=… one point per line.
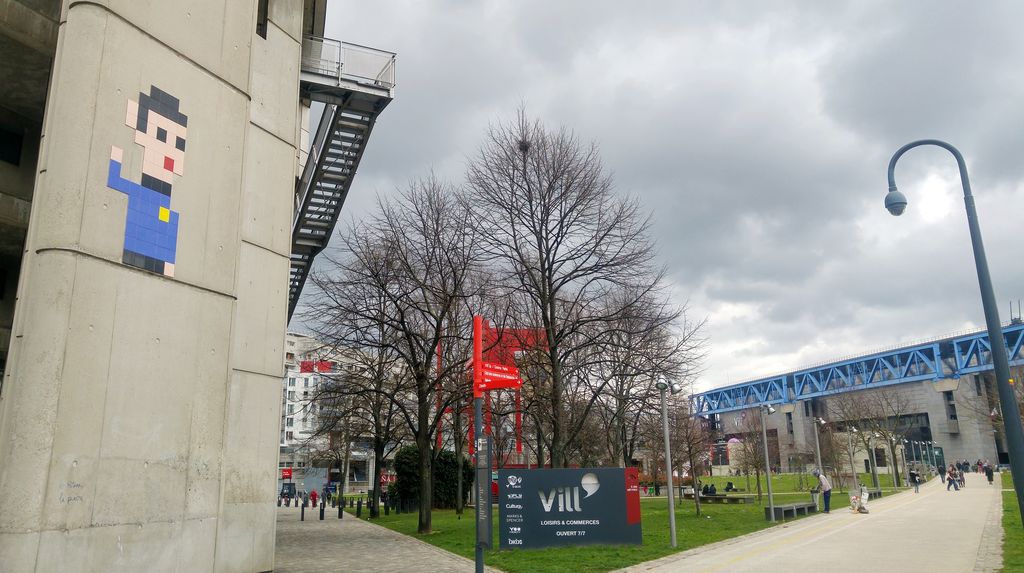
x=344, y=60
x=316, y=149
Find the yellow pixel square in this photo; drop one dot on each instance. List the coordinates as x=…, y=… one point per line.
x=165, y=214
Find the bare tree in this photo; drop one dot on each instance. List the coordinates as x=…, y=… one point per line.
x=547, y=217
x=691, y=441
x=750, y=451
x=401, y=278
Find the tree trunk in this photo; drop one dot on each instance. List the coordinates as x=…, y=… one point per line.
x=423, y=443
x=757, y=476
x=343, y=482
x=426, y=483
x=557, y=447
x=895, y=467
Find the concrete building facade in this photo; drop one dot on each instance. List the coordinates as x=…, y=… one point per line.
x=954, y=414
x=148, y=162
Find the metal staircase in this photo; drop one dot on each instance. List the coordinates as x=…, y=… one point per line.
x=355, y=83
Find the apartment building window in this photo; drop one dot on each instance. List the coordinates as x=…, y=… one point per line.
x=305, y=383
x=789, y=422
x=807, y=408
x=291, y=382
x=291, y=409
x=289, y=422
x=289, y=435
x=291, y=394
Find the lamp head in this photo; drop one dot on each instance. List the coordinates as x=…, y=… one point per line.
x=661, y=384
x=770, y=409
x=676, y=387
x=895, y=201
x=821, y=421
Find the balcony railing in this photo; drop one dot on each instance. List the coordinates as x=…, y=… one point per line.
x=341, y=60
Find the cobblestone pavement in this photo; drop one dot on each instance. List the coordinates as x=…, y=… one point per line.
x=349, y=544
x=934, y=531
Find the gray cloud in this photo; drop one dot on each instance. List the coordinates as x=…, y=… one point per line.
x=757, y=136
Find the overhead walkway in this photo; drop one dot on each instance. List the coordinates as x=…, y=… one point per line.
x=949, y=357
x=355, y=83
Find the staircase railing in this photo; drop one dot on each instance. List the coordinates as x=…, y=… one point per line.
x=342, y=60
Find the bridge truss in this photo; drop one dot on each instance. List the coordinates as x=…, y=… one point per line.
x=946, y=358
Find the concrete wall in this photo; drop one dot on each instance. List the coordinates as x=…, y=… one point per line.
x=139, y=414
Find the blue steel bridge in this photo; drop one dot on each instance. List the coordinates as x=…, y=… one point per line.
x=950, y=357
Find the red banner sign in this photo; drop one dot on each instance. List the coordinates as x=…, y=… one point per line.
x=286, y=473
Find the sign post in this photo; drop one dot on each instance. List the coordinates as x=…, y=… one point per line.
x=483, y=477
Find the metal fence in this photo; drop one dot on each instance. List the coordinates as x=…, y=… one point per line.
x=341, y=60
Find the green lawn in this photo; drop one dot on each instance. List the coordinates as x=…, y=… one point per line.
x=1013, y=534
x=718, y=522
x=788, y=483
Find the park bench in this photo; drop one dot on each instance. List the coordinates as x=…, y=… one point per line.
x=874, y=494
x=790, y=510
x=722, y=498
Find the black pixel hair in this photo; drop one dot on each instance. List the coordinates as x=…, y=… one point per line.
x=162, y=103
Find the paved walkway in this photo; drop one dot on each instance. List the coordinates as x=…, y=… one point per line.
x=350, y=544
x=934, y=531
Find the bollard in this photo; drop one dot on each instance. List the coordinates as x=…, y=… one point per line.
x=334, y=503
x=302, y=513
x=322, y=511
x=351, y=503
x=359, y=508
x=387, y=509
x=278, y=502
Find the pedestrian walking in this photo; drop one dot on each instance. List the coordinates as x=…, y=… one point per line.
x=988, y=472
x=952, y=481
x=942, y=473
x=961, y=478
x=915, y=478
x=826, y=489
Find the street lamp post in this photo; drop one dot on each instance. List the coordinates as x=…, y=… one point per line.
x=662, y=386
x=767, y=462
x=817, y=443
x=896, y=203
x=903, y=454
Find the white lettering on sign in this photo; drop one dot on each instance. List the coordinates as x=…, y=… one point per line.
x=568, y=499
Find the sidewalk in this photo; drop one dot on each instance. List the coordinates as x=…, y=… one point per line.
x=350, y=544
x=934, y=531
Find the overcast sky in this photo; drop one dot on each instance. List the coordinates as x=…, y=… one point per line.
x=757, y=135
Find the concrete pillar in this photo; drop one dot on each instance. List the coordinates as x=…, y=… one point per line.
x=140, y=410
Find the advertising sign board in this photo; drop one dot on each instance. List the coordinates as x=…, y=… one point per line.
x=286, y=473
x=556, y=507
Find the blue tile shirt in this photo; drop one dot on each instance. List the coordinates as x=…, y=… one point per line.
x=151, y=228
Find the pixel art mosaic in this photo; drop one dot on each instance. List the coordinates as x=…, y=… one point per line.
x=151, y=227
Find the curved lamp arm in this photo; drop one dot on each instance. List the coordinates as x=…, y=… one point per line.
x=964, y=179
